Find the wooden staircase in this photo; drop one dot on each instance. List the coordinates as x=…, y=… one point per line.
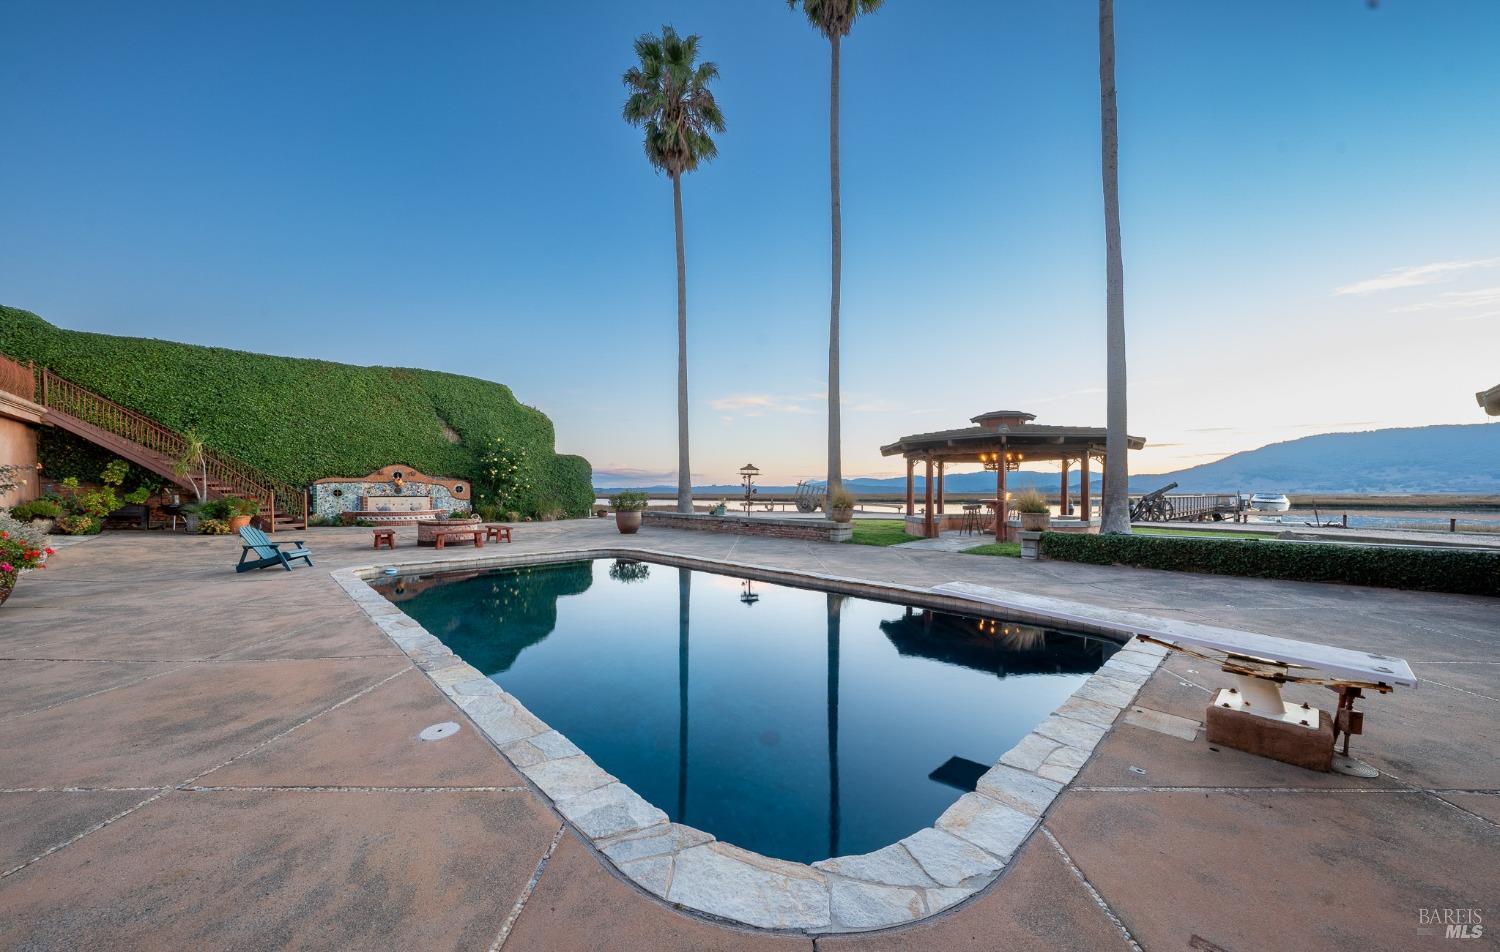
x=148, y=444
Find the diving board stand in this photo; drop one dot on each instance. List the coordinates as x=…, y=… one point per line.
x=1251, y=715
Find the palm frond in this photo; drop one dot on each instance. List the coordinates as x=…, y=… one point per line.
x=669, y=97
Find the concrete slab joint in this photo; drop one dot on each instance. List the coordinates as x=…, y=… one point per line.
x=931, y=870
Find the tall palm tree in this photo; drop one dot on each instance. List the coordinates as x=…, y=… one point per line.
x=1116, y=468
x=670, y=98
x=834, y=19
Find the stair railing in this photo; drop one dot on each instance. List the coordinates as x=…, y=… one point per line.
x=64, y=396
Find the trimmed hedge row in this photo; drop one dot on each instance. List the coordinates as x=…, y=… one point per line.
x=1426, y=569
x=300, y=420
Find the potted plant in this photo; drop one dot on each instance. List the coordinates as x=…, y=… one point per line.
x=1036, y=515
x=628, y=507
x=841, y=504
x=719, y=508
x=21, y=548
x=237, y=511
x=192, y=464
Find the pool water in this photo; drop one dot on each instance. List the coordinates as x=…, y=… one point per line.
x=796, y=723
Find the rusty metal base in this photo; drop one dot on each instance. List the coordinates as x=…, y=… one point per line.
x=1301, y=746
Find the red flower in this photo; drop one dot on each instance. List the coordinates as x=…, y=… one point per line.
x=50, y=551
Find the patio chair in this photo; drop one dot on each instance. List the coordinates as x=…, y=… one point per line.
x=270, y=553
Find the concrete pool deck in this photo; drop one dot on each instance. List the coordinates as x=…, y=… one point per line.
x=194, y=758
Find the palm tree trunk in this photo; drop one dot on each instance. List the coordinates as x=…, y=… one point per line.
x=1116, y=468
x=684, y=470
x=835, y=463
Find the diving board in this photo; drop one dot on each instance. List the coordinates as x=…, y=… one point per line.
x=1252, y=715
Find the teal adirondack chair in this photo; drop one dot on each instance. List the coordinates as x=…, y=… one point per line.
x=269, y=553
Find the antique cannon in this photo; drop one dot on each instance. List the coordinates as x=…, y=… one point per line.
x=1154, y=506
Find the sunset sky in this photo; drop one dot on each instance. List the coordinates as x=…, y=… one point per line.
x=1310, y=196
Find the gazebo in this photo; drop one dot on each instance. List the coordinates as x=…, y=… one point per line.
x=1002, y=440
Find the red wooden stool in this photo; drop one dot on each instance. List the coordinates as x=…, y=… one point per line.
x=497, y=533
x=385, y=537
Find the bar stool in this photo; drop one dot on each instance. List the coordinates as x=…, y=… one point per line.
x=971, y=518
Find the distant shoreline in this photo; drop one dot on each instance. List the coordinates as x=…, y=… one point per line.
x=1444, y=501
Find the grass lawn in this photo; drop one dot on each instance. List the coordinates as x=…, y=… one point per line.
x=1203, y=533
x=1012, y=549
x=881, y=532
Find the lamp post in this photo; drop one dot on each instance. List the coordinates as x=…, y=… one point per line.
x=748, y=472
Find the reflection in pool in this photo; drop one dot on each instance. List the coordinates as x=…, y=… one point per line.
x=796, y=723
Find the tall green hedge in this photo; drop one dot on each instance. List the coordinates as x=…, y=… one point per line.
x=1426, y=569
x=299, y=420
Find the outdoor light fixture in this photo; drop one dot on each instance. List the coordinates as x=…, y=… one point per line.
x=991, y=461
x=748, y=472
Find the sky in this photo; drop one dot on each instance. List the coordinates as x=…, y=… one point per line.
x=1310, y=205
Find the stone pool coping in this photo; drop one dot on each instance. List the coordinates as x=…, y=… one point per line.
x=922, y=874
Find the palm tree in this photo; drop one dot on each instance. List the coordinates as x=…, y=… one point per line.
x=834, y=19
x=1116, y=469
x=670, y=98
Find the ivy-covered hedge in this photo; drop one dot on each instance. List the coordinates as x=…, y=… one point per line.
x=1426, y=569
x=299, y=420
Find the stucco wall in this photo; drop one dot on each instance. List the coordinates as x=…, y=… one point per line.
x=18, y=448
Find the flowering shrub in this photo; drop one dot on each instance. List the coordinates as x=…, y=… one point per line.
x=10, y=477
x=213, y=527
x=19, y=550
x=501, y=483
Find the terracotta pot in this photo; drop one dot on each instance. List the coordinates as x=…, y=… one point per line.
x=1035, y=521
x=629, y=523
x=7, y=585
x=236, y=523
x=841, y=515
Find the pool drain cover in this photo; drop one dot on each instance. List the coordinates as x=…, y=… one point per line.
x=439, y=731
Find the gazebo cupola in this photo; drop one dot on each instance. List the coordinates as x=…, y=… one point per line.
x=1002, y=419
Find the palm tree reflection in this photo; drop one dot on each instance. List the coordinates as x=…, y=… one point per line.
x=684, y=608
x=835, y=608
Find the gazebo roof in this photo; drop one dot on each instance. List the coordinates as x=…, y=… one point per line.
x=1036, y=441
x=1490, y=400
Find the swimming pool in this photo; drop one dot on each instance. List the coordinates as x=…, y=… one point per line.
x=796, y=723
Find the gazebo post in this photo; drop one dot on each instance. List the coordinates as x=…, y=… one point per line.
x=940, y=487
x=1062, y=495
x=1083, y=484
x=1000, y=514
x=927, y=500
x=911, y=502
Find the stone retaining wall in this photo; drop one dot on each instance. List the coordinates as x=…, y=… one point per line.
x=818, y=530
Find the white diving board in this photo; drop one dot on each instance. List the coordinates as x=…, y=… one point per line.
x=1340, y=663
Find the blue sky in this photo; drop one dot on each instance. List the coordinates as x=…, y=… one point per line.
x=1310, y=195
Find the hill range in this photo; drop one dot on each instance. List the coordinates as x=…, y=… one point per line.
x=1460, y=458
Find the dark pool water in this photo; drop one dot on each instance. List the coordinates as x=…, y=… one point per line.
x=792, y=722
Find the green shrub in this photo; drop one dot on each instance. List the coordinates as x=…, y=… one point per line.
x=213, y=527
x=36, y=509
x=238, y=506
x=79, y=524
x=343, y=420
x=629, y=501
x=1424, y=569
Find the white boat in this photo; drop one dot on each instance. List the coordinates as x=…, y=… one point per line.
x=1270, y=502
